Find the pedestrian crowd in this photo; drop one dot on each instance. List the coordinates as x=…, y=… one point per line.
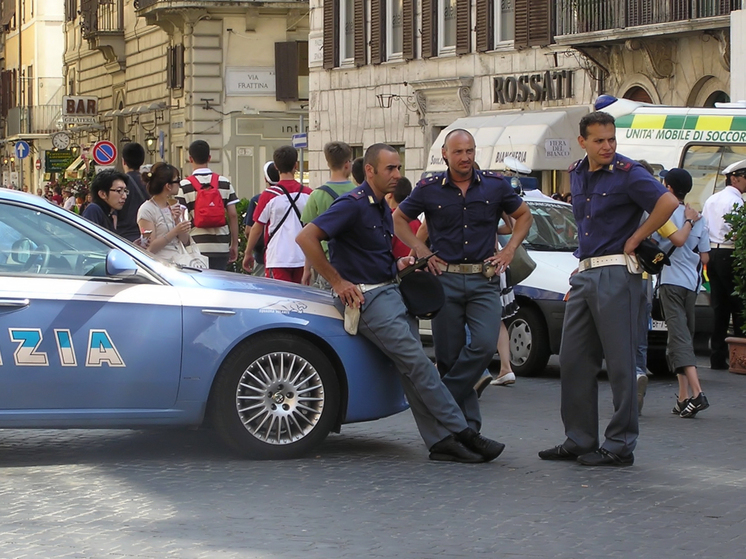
x=359, y=236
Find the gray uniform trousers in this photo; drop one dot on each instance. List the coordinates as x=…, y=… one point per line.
x=385, y=322
x=473, y=300
x=601, y=320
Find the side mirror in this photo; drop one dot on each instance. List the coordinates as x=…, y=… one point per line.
x=120, y=264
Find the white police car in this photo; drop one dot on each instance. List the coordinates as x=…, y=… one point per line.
x=96, y=333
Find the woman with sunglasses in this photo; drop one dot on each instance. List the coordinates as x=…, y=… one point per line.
x=160, y=218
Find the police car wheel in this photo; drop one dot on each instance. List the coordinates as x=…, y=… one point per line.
x=275, y=397
x=529, y=342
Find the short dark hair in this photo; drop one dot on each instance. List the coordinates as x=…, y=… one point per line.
x=372, y=153
x=158, y=177
x=285, y=158
x=102, y=182
x=402, y=190
x=133, y=155
x=597, y=117
x=199, y=151
x=337, y=154
x=358, y=170
x=457, y=131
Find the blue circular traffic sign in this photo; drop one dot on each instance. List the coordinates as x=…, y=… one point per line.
x=22, y=149
x=104, y=152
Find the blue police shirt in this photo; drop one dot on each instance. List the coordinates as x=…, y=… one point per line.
x=608, y=204
x=462, y=228
x=360, y=231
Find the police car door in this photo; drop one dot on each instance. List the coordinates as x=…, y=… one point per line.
x=72, y=339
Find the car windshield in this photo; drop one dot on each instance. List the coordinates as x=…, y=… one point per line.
x=553, y=228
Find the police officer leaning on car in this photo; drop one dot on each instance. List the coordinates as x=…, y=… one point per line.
x=362, y=270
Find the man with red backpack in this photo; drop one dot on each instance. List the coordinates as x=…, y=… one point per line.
x=208, y=198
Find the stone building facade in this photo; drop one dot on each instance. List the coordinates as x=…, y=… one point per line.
x=399, y=71
x=168, y=72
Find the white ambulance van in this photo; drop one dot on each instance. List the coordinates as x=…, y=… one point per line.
x=701, y=140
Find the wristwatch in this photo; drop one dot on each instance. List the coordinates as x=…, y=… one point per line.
x=691, y=222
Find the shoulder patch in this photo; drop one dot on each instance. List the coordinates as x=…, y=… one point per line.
x=493, y=174
x=358, y=194
x=623, y=165
x=572, y=167
x=436, y=178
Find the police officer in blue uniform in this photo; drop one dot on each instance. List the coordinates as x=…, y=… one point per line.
x=609, y=194
x=362, y=272
x=462, y=208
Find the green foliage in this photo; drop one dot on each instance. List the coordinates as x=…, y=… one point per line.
x=737, y=221
x=241, y=211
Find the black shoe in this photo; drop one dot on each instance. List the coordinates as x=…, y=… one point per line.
x=695, y=405
x=450, y=450
x=483, y=446
x=483, y=382
x=603, y=457
x=558, y=452
x=680, y=405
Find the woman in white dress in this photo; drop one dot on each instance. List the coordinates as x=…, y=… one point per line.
x=161, y=216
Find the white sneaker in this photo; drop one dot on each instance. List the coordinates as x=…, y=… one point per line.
x=504, y=380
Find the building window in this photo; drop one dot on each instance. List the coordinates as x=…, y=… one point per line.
x=394, y=29
x=446, y=26
x=504, y=21
x=175, y=67
x=347, y=36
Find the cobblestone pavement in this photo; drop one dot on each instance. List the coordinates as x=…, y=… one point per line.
x=371, y=492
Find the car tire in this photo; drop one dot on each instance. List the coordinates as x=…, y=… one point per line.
x=275, y=397
x=529, y=341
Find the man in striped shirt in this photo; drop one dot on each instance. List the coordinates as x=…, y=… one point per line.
x=218, y=244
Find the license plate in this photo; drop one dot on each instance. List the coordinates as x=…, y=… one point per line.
x=659, y=325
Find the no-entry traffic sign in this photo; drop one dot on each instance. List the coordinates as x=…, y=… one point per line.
x=104, y=152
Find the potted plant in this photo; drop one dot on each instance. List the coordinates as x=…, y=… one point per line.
x=737, y=221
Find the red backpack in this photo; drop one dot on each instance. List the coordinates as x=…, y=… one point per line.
x=209, y=209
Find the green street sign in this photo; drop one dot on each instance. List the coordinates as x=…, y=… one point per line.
x=58, y=161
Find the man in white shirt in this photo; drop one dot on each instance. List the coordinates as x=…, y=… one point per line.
x=720, y=268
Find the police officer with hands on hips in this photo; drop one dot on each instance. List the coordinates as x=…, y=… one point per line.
x=462, y=208
x=362, y=270
x=610, y=192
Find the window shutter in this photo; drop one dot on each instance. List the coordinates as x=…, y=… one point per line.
x=409, y=32
x=376, y=31
x=463, y=26
x=539, y=23
x=680, y=10
x=331, y=33
x=286, y=71
x=359, y=22
x=429, y=27
x=485, y=25
x=521, y=24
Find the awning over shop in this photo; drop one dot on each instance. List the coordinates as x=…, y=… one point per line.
x=76, y=168
x=542, y=140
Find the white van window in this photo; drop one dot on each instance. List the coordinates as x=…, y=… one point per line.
x=705, y=164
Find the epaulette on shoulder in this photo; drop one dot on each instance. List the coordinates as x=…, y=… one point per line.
x=623, y=165
x=493, y=174
x=358, y=194
x=572, y=167
x=433, y=179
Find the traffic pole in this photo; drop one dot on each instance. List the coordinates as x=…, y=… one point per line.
x=300, y=155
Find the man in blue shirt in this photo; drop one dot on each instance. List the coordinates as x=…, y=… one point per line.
x=362, y=270
x=109, y=192
x=679, y=284
x=462, y=209
x=609, y=194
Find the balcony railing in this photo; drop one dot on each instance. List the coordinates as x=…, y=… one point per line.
x=584, y=16
x=101, y=16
